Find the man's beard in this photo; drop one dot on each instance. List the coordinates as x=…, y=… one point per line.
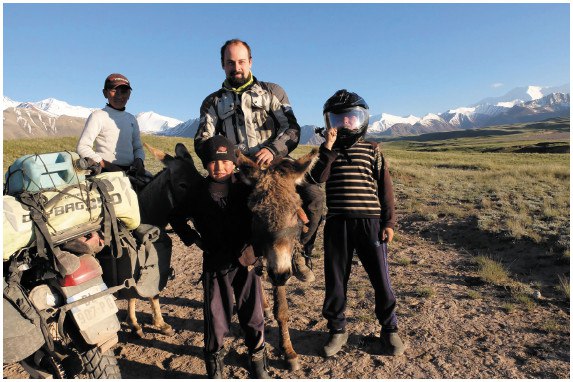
x=236, y=82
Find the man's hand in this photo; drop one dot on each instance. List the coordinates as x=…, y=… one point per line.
x=109, y=166
x=330, y=136
x=264, y=157
x=387, y=235
x=139, y=168
x=247, y=256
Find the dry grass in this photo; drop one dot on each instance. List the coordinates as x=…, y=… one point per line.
x=403, y=261
x=474, y=295
x=492, y=272
x=14, y=149
x=425, y=292
x=508, y=307
x=518, y=196
x=552, y=326
x=524, y=300
x=563, y=286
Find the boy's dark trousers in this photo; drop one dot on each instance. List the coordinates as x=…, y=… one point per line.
x=341, y=237
x=313, y=205
x=221, y=289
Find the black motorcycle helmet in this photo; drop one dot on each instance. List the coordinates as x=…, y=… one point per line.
x=348, y=113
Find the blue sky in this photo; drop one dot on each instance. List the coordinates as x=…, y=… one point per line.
x=402, y=58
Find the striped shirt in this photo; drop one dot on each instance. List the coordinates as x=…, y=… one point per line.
x=358, y=185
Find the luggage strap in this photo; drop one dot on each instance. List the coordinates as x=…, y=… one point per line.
x=35, y=201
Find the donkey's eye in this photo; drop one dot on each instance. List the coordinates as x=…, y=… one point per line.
x=183, y=186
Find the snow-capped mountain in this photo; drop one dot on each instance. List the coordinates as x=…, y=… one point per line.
x=184, y=129
x=153, y=123
x=381, y=122
x=56, y=108
x=7, y=102
x=31, y=122
x=189, y=128
x=523, y=104
x=523, y=94
x=430, y=119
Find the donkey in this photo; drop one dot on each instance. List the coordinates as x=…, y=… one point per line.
x=170, y=189
x=277, y=223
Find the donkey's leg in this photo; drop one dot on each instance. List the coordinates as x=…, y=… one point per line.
x=132, y=319
x=163, y=327
x=266, y=307
x=281, y=315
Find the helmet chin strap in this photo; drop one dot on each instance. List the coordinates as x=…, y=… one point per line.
x=346, y=139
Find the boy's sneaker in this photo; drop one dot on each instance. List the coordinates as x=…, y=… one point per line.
x=335, y=342
x=391, y=343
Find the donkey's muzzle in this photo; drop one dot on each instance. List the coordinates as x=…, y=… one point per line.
x=279, y=279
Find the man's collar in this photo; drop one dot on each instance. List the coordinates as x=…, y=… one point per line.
x=111, y=107
x=242, y=88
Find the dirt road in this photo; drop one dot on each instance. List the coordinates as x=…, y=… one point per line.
x=454, y=325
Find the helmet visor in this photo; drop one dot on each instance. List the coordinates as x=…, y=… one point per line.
x=351, y=119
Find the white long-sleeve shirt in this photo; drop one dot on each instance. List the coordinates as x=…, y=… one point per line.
x=116, y=137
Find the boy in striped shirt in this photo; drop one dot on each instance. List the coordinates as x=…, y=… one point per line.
x=360, y=217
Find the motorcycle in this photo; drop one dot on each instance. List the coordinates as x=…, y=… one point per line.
x=60, y=317
x=73, y=316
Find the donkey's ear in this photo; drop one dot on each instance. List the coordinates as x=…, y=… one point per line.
x=248, y=170
x=181, y=151
x=304, y=164
x=158, y=154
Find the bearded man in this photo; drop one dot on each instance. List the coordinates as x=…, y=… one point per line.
x=257, y=118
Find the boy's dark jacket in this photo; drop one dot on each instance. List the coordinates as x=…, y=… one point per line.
x=225, y=231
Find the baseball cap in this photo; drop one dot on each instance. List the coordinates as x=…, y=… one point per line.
x=114, y=80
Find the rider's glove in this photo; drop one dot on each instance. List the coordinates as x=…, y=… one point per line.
x=139, y=168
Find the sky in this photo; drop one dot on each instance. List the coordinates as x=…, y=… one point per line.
x=403, y=59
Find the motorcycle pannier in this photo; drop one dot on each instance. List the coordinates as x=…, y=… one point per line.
x=22, y=335
x=74, y=208
x=146, y=259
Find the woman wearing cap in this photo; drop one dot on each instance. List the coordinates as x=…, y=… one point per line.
x=114, y=131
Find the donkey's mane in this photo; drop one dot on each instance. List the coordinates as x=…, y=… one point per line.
x=274, y=199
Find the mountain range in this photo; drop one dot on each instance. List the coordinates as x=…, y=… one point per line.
x=53, y=117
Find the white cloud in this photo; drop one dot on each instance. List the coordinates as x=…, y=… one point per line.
x=497, y=85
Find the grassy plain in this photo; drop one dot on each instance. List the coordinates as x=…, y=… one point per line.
x=497, y=176
x=477, y=298
x=14, y=149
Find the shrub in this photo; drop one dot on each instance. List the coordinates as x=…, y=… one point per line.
x=551, y=326
x=404, y=261
x=425, y=292
x=524, y=300
x=563, y=286
x=492, y=272
x=474, y=295
x=508, y=307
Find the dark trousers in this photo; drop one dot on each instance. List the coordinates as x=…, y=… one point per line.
x=313, y=205
x=341, y=237
x=223, y=289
